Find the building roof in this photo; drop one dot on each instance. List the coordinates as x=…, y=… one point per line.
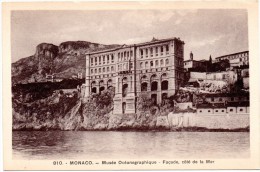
x=204, y=106
x=227, y=94
x=231, y=54
x=212, y=106
x=238, y=104
x=153, y=41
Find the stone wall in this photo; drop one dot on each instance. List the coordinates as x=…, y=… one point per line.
x=210, y=121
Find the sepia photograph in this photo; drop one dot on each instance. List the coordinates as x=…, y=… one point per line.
x=127, y=86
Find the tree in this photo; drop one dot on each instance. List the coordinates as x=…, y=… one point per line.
x=144, y=102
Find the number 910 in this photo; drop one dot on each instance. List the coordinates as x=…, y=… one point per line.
x=57, y=162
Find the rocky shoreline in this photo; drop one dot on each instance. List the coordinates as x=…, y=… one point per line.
x=70, y=112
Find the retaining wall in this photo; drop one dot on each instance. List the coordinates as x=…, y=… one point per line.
x=210, y=121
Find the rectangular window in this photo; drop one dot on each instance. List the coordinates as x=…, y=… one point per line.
x=91, y=60
x=99, y=58
x=167, y=48
x=104, y=60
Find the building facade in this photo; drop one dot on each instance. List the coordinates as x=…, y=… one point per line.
x=236, y=59
x=154, y=67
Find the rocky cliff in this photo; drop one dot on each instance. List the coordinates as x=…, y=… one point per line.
x=64, y=60
x=68, y=111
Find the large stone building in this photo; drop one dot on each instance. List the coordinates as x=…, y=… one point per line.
x=154, y=67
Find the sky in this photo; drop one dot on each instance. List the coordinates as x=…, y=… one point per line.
x=205, y=32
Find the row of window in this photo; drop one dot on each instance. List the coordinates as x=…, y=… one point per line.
x=102, y=70
x=154, y=70
x=150, y=51
x=155, y=63
x=102, y=76
x=125, y=55
x=231, y=99
x=230, y=110
x=233, y=56
x=104, y=59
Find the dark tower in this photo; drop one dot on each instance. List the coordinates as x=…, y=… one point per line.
x=210, y=59
x=191, y=55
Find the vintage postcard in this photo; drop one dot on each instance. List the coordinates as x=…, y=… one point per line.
x=131, y=85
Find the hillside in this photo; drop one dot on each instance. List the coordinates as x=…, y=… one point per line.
x=64, y=60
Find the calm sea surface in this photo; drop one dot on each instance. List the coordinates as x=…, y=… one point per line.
x=85, y=145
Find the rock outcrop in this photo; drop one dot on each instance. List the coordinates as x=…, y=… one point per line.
x=64, y=61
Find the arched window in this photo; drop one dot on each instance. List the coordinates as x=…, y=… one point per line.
x=101, y=89
x=101, y=83
x=104, y=70
x=91, y=71
x=151, y=63
x=99, y=70
x=144, y=86
x=153, y=77
x=154, y=98
x=109, y=83
x=164, y=76
x=141, y=65
x=167, y=61
x=107, y=69
x=156, y=63
x=95, y=70
x=165, y=85
x=124, y=90
x=112, y=68
x=164, y=96
x=161, y=62
x=154, y=86
x=146, y=65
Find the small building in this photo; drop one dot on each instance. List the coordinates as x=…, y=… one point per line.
x=219, y=108
x=185, y=105
x=205, y=108
x=238, y=107
x=226, y=97
x=49, y=78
